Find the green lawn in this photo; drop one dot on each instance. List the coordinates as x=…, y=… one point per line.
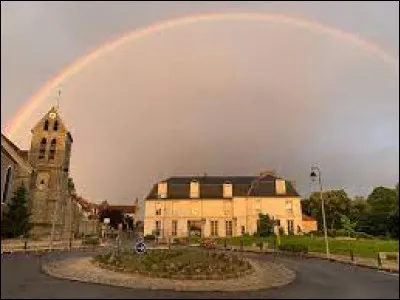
x=361, y=247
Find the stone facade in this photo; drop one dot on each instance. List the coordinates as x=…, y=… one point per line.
x=15, y=170
x=49, y=155
x=44, y=170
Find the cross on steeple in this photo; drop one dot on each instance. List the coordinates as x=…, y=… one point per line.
x=58, y=99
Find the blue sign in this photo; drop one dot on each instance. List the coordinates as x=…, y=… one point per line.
x=140, y=248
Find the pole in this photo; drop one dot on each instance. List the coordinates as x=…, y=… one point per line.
x=323, y=214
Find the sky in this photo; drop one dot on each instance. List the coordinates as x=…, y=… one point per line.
x=222, y=98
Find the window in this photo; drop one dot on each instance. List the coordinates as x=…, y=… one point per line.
x=214, y=228
x=158, y=211
x=174, y=227
x=277, y=222
x=46, y=125
x=55, y=127
x=42, y=148
x=228, y=228
x=158, y=228
x=289, y=205
x=52, y=149
x=290, y=226
x=7, y=185
x=243, y=230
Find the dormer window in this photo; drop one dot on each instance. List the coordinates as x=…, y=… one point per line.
x=194, y=189
x=227, y=189
x=46, y=125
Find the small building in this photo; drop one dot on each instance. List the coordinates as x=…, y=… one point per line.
x=219, y=206
x=127, y=210
x=86, y=220
x=309, y=224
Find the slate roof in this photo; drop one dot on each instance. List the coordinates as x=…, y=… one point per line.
x=211, y=187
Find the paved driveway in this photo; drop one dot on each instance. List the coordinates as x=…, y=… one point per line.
x=21, y=277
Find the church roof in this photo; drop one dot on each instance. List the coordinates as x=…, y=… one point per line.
x=15, y=153
x=211, y=187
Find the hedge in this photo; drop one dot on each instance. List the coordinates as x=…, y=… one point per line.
x=295, y=248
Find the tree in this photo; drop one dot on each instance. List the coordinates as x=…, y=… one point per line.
x=348, y=225
x=383, y=200
x=128, y=222
x=16, y=219
x=382, y=217
x=337, y=203
x=71, y=187
x=116, y=217
x=265, y=226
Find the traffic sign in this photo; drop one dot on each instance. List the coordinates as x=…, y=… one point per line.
x=140, y=248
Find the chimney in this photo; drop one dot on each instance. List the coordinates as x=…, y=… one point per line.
x=194, y=189
x=227, y=189
x=162, y=189
x=280, y=186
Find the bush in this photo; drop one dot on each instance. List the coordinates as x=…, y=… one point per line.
x=362, y=235
x=295, y=248
x=91, y=240
x=281, y=231
x=149, y=238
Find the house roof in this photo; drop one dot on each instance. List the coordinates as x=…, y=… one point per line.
x=211, y=187
x=86, y=204
x=127, y=209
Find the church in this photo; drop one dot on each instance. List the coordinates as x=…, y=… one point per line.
x=44, y=170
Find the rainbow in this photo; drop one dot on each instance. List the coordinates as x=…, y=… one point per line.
x=26, y=110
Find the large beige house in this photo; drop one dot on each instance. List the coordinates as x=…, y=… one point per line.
x=212, y=206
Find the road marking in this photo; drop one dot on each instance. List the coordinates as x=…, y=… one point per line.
x=389, y=273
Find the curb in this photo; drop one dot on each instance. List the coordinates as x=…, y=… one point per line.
x=385, y=269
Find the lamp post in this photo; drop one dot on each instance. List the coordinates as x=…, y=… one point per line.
x=313, y=176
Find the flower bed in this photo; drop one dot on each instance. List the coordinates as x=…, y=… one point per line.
x=177, y=264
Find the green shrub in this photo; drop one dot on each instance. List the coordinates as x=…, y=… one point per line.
x=362, y=235
x=149, y=238
x=295, y=248
x=281, y=231
x=91, y=240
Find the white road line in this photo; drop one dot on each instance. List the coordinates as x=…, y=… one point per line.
x=389, y=273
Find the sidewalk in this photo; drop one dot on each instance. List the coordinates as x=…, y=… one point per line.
x=387, y=265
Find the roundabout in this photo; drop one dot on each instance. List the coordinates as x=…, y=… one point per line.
x=22, y=277
x=202, y=272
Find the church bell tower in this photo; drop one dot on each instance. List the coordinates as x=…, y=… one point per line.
x=49, y=155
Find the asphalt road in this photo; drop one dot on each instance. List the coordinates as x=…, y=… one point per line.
x=21, y=277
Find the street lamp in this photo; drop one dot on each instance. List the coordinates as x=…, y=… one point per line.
x=313, y=176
